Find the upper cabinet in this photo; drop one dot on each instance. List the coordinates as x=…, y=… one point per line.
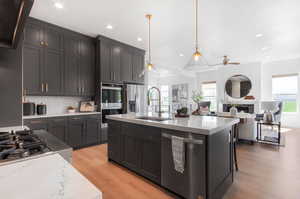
x=42, y=59
x=57, y=61
x=79, y=74
x=118, y=63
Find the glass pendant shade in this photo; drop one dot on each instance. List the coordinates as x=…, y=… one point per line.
x=198, y=63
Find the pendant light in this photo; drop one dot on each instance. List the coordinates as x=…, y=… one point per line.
x=149, y=65
x=197, y=61
x=149, y=62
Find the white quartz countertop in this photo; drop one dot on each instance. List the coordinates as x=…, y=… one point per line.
x=46, y=177
x=60, y=115
x=205, y=125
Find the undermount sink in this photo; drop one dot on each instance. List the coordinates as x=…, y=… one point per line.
x=157, y=119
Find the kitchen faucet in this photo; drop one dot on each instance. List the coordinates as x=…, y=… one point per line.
x=159, y=99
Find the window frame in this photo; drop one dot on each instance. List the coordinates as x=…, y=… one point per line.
x=297, y=92
x=216, y=96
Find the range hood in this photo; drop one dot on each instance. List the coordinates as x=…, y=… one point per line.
x=13, y=15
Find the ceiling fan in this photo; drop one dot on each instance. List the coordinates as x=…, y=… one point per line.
x=226, y=61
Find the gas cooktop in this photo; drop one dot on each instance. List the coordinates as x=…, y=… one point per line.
x=20, y=144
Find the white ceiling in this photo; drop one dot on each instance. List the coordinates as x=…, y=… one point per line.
x=225, y=27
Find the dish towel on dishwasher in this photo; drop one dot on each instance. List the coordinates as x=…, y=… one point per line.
x=178, y=151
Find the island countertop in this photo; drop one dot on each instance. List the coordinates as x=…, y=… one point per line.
x=205, y=125
x=46, y=177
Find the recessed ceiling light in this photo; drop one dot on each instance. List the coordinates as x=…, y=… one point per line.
x=59, y=5
x=259, y=35
x=181, y=55
x=109, y=27
x=139, y=39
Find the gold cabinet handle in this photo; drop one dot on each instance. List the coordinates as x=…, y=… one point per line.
x=47, y=87
x=42, y=87
x=46, y=43
x=42, y=43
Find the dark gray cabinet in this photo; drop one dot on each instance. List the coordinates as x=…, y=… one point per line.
x=138, y=65
x=57, y=61
x=118, y=63
x=114, y=141
x=126, y=69
x=79, y=76
x=93, y=131
x=58, y=128
x=76, y=131
x=43, y=58
x=87, y=66
x=136, y=147
x=37, y=124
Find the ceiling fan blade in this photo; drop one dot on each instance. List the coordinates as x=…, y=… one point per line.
x=216, y=64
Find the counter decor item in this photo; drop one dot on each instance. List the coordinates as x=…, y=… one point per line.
x=197, y=97
x=28, y=108
x=87, y=106
x=233, y=110
x=268, y=117
x=249, y=97
x=41, y=109
x=71, y=109
x=183, y=112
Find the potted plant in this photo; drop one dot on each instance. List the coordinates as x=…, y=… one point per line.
x=197, y=97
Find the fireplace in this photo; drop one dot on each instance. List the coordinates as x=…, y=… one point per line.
x=246, y=108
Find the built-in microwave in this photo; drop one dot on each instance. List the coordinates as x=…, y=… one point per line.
x=111, y=97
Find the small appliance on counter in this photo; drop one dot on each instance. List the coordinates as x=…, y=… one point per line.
x=28, y=108
x=41, y=109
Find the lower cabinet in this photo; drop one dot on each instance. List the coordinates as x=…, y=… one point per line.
x=58, y=128
x=136, y=147
x=77, y=132
x=76, y=127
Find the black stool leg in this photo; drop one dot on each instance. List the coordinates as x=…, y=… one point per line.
x=234, y=147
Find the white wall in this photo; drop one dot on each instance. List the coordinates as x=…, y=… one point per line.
x=279, y=68
x=251, y=70
x=259, y=74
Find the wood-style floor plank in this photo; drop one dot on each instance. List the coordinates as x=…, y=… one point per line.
x=266, y=172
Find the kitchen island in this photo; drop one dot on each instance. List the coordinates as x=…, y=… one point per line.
x=143, y=144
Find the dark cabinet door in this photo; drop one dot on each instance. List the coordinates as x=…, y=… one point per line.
x=114, y=141
x=32, y=62
x=76, y=127
x=138, y=66
x=126, y=65
x=53, y=37
x=52, y=72
x=116, y=63
x=105, y=61
x=93, y=131
x=58, y=128
x=33, y=33
x=71, y=67
x=130, y=149
x=87, y=67
x=150, y=153
x=37, y=124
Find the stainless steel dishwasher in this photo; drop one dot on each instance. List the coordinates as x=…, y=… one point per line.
x=191, y=183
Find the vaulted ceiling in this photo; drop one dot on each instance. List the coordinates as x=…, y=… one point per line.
x=247, y=31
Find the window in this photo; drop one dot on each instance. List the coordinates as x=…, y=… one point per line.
x=209, y=91
x=285, y=89
x=165, y=98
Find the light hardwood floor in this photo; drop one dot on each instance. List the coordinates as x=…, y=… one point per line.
x=266, y=172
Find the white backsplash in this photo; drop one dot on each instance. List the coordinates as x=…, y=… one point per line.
x=57, y=105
